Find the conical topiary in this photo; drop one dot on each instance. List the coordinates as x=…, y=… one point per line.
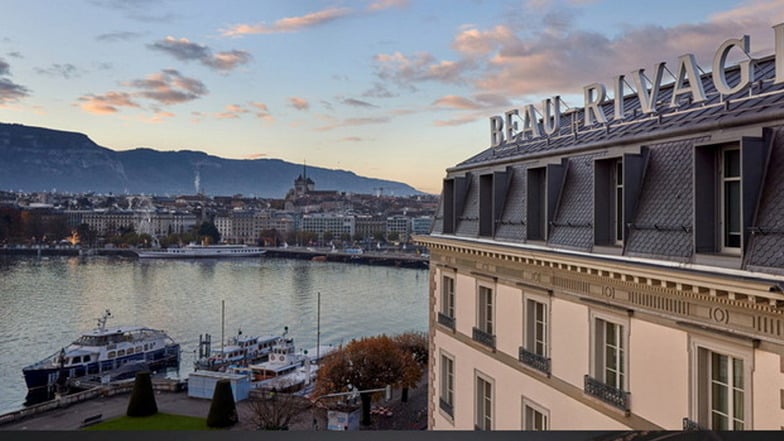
x=142, y=402
x=223, y=410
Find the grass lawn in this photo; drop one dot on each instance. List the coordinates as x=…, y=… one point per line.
x=159, y=421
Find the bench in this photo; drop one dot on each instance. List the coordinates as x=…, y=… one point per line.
x=89, y=421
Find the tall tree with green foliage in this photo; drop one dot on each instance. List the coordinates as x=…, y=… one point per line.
x=210, y=231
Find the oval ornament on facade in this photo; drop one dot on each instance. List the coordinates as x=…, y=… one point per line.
x=609, y=292
x=721, y=315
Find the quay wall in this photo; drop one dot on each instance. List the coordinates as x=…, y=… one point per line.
x=383, y=259
x=124, y=387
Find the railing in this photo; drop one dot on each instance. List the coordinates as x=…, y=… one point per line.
x=446, y=407
x=447, y=321
x=484, y=338
x=536, y=361
x=609, y=394
x=691, y=425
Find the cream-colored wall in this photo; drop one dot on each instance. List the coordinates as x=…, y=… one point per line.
x=659, y=373
x=569, y=344
x=768, y=382
x=465, y=303
x=510, y=385
x=509, y=320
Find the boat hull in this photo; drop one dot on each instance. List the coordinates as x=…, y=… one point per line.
x=180, y=253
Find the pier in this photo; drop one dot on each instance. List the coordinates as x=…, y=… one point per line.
x=397, y=259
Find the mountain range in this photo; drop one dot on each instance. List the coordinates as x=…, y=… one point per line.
x=42, y=159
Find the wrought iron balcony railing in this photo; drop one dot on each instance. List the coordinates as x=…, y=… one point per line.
x=609, y=394
x=447, y=321
x=691, y=425
x=536, y=361
x=446, y=407
x=484, y=338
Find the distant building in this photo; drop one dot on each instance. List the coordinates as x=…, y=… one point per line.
x=336, y=224
x=421, y=224
x=400, y=225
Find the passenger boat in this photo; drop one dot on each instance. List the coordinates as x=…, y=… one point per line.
x=202, y=251
x=113, y=353
x=286, y=370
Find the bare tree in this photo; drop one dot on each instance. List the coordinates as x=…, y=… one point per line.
x=271, y=410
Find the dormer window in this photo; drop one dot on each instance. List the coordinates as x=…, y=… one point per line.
x=730, y=198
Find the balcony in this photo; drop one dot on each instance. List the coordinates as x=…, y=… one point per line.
x=484, y=338
x=533, y=360
x=610, y=395
x=447, y=321
x=691, y=425
x=446, y=407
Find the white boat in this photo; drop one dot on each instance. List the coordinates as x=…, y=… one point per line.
x=286, y=370
x=200, y=251
x=113, y=353
x=240, y=350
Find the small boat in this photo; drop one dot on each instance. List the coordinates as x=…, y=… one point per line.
x=286, y=370
x=192, y=251
x=240, y=350
x=113, y=353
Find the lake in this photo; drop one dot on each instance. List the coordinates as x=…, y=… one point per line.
x=45, y=303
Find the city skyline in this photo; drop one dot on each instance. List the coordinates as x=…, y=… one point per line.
x=391, y=89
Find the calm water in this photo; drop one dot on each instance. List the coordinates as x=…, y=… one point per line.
x=45, y=304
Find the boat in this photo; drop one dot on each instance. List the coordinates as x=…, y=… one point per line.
x=191, y=251
x=103, y=354
x=240, y=350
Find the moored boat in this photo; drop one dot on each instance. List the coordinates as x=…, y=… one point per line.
x=104, y=352
x=192, y=251
x=240, y=350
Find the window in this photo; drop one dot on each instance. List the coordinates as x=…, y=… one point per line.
x=609, y=202
x=727, y=183
x=722, y=385
x=609, y=362
x=618, y=206
x=484, y=330
x=447, y=395
x=536, y=213
x=446, y=315
x=484, y=403
x=535, y=351
x=535, y=417
x=730, y=199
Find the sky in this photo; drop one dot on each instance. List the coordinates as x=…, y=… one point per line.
x=392, y=89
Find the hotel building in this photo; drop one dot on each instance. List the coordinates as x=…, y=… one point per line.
x=618, y=266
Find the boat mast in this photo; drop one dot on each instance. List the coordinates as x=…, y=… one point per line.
x=318, y=327
x=223, y=311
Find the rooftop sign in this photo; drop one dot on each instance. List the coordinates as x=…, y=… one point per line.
x=687, y=84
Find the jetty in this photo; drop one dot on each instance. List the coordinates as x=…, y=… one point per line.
x=383, y=258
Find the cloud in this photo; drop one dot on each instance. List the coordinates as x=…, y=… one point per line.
x=10, y=91
x=139, y=10
x=352, y=122
x=66, y=70
x=233, y=111
x=404, y=70
x=255, y=156
x=15, y=54
x=357, y=103
x=118, y=36
x=107, y=103
x=288, y=24
x=378, y=91
x=158, y=117
x=299, y=103
x=456, y=121
x=186, y=50
x=456, y=102
x=168, y=87
x=380, y=5
x=262, y=111
x=351, y=139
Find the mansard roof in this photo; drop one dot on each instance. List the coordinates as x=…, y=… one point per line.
x=763, y=102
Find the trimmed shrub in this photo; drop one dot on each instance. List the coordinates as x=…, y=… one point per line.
x=223, y=410
x=142, y=402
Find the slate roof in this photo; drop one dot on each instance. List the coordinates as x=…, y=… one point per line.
x=715, y=112
x=663, y=222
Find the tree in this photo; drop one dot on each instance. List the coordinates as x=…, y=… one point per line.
x=270, y=237
x=142, y=402
x=223, y=410
x=415, y=344
x=210, y=231
x=368, y=363
x=274, y=411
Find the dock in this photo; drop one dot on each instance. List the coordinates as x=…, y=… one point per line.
x=396, y=259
